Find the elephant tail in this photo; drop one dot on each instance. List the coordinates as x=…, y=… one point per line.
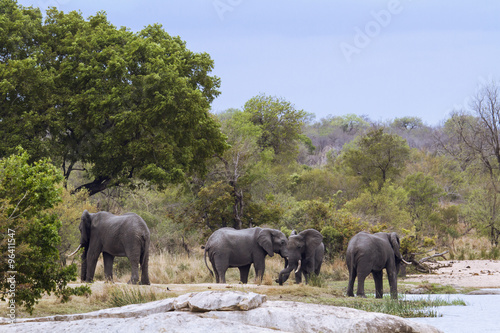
x=205, y=258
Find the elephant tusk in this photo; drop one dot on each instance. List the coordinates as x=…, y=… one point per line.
x=298, y=268
x=72, y=254
x=406, y=262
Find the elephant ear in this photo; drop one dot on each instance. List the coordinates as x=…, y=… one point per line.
x=265, y=240
x=394, y=239
x=85, y=227
x=313, y=239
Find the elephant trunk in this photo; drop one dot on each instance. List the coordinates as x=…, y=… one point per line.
x=83, y=274
x=285, y=273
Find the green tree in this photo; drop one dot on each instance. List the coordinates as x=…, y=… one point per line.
x=280, y=122
x=407, y=123
x=473, y=140
x=483, y=207
x=387, y=205
x=350, y=122
x=423, y=197
x=116, y=104
x=29, y=232
x=376, y=157
x=232, y=173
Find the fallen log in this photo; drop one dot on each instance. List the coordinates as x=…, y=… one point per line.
x=433, y=256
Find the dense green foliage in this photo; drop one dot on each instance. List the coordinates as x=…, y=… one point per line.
x=29, y=263
x=120, y=106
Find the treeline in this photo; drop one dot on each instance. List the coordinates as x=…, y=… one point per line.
x=339, y=175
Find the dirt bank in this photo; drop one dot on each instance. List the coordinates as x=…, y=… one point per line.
x=463, y=273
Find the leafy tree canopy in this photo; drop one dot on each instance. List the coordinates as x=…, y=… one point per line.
x=107, y=101
x=29, y=239
x=350, y=122
x=407, y=123
x=281, y=123
x=376, y=156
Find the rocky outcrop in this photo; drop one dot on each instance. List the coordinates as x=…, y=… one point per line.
x=217, y=311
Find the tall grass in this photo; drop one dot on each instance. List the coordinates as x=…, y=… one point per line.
x=168, y=268
x=474, y=248
x=125, y=295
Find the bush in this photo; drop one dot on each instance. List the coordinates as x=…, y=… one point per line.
x=29, y=232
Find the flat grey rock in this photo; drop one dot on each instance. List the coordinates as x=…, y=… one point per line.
x=220, y=312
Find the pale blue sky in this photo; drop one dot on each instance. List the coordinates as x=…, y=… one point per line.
x=383, y=59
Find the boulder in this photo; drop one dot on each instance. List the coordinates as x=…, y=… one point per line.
x=219, y=301
x=218, y=311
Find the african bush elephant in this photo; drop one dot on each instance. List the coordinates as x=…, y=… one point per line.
x=228, y=247
x=115, y=236
x=305, y=255
x=371, y=253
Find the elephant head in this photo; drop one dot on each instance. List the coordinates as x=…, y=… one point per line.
x=301, y=251
x=85, y=225
x=395, y=243
x=273, y=241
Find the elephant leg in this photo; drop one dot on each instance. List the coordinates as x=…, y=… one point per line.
x=361, y=283
x=393, y=282
x=317, y=269
x=92, y=258
x=220, y=265
x=216, y=272
x=244, y=270
x=298, y=276
x=134, y=267
x=259, y=270
x=108, y=266
x=350, y=286
x=133, y=253
x=379, y=284
x=145, y=269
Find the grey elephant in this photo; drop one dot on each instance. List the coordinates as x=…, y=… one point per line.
x=228, y=247
x=114, y=236
x=371, y=253
x=305, y=255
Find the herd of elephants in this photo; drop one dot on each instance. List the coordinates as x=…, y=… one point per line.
x=128, y=236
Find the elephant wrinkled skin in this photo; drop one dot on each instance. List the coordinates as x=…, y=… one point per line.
x=305, y=255
x=228, y=247
x=114, y=236
x=371, y=253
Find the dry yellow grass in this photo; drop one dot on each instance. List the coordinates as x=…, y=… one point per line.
x=471, y=247
x=167, y=268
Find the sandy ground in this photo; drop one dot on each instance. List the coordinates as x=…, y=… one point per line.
x=463, y=273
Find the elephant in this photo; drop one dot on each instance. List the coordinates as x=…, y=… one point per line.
x=126, y=235
x=371, y=253
x=305, y=255
x=228, y=247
